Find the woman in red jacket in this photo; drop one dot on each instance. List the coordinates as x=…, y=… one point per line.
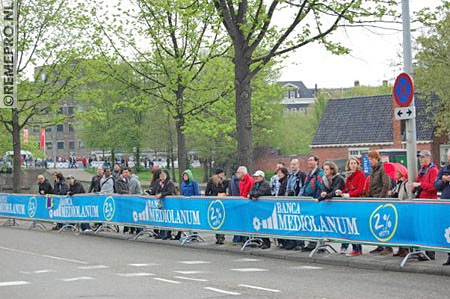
x=354, y=184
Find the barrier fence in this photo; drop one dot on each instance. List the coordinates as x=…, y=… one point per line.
x=423, y=224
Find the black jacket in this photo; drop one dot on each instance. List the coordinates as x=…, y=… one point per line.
x=213, y=189
x=61, y=188
x=283, y=187
x=46, y=187
x=95, y=184
x=76, y=188
x=165, y=188
x=337, y=182
x=260, y=189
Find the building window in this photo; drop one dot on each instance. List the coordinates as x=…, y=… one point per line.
x=60, y=145
x=49, y=145
x=48, y=130
x=70, y=111
x=35, y=130
x=80, y=144
x=71, y=145
x=71, y=129
x=60, y=128
x=61, y=110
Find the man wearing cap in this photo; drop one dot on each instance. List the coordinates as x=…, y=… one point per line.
x=442, y=184
x=260, y=188
x=423, y=187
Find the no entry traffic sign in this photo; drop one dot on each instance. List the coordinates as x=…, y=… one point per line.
x=403, y=90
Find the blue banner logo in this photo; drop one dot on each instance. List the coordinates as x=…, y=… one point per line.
x=383, y=222
x=32, y=207
x=216, y=214
x=109, y=208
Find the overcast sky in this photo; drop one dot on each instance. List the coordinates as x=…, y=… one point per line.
x=374, y=58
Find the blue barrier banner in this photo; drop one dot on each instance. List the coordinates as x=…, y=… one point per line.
x=415, y=223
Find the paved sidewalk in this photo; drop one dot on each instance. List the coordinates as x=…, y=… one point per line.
x=366, y=261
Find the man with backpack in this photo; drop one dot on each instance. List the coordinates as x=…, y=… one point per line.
x=107, y=182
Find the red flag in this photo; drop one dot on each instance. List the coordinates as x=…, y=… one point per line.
x=42, y=145
x=25, y=136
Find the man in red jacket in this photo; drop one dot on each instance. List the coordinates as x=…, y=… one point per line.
x=424, y=185
x=246, y=181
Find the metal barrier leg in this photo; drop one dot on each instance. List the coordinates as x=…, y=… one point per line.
x=322, y=246
x=190, y=237
x=146, y=231
x=37, y=224
x=107, y=227
x=414, y=253
x=68, y=226
x=251, y=242
x=10, y=222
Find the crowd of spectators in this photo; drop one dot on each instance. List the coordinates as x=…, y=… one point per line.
x=320, y=183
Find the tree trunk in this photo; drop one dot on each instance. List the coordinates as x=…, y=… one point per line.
x=138, y=158
x=17, y=159
x=181, y=141
x=243, y=108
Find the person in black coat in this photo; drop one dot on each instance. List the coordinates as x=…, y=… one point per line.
x=282, y=174
x=260, y=188
x=164, y=187
x=76, y=187
x=217, y=186
x=44, y=186
x=61, y=187
x=332, y=181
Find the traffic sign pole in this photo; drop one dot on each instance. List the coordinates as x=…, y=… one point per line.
x=411, y=141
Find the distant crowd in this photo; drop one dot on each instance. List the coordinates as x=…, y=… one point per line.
x=386, y=180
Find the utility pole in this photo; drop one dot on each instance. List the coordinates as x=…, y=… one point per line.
x=411, y=140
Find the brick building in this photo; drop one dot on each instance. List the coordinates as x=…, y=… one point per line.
x=353, y=126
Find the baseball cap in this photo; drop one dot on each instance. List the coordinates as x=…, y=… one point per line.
x=259, y=173
x=424, y=153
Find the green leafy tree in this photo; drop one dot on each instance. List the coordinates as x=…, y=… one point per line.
x=432, y=70
x=181, y=37
x=257, y=39
x=49, y=35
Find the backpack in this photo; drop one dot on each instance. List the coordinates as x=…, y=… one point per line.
x=121, y=186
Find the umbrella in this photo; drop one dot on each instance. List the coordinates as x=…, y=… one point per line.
x=391, y=168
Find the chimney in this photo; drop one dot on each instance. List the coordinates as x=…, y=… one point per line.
x=356, y=84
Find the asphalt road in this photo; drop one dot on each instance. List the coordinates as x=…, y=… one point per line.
x=36, y=264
